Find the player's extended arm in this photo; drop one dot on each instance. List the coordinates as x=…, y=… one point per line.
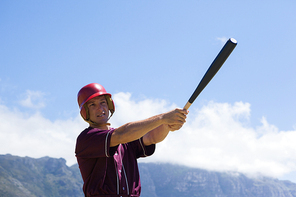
x=159, y=134
x=156, y=135
x=135, y=130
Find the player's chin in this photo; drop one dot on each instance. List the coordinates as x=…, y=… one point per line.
x=100, y=120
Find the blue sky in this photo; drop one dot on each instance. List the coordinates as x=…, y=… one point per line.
x=151, y=52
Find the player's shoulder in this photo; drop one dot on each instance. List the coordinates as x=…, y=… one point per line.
x=90, y=131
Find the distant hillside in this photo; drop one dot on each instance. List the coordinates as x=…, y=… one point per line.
x=164, y=180
x=25, y=176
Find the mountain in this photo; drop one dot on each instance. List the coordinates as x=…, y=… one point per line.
x=25, y=176
x=170, y=180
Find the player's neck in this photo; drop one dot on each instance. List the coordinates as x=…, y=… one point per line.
x=104, y=126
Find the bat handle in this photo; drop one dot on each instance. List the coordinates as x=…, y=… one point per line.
x=188, y=104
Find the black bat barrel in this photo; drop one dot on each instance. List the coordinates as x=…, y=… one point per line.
x=213, y=69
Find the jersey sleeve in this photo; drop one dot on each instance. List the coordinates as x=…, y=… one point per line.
x=93, y=143
x=141, y=149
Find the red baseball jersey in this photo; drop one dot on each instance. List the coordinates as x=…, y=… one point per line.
x=109, y=171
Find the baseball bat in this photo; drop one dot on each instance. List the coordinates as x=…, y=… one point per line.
x=213, y=69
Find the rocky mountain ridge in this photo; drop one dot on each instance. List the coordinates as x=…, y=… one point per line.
x=25, y=176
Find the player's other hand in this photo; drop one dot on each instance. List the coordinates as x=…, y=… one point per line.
x=176, y=118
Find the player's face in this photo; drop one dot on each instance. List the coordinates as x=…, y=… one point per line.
x=98, y=109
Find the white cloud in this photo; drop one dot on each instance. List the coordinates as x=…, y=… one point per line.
x=128, y=110
x=216, y=137
x=33, y=99
x=36, y=136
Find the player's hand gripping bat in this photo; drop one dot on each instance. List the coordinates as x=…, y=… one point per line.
x=213, y=69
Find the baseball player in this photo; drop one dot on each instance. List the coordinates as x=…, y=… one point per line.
x=107, y=157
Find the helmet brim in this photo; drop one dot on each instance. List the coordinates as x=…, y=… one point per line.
x=93, y=96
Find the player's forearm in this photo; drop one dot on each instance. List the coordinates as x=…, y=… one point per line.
x=156, y=135
x=135, y=130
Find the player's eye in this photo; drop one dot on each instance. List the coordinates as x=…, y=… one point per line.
x=91, y=105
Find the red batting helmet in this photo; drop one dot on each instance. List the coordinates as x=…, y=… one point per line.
x=90, y=91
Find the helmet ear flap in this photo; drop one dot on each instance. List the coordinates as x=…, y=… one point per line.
x=110, y=103
x=85, y=115
x=84, y=112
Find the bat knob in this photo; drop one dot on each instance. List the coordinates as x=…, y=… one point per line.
x=233, y=40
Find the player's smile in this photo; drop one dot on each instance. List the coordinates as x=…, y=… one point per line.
x=102, y=114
